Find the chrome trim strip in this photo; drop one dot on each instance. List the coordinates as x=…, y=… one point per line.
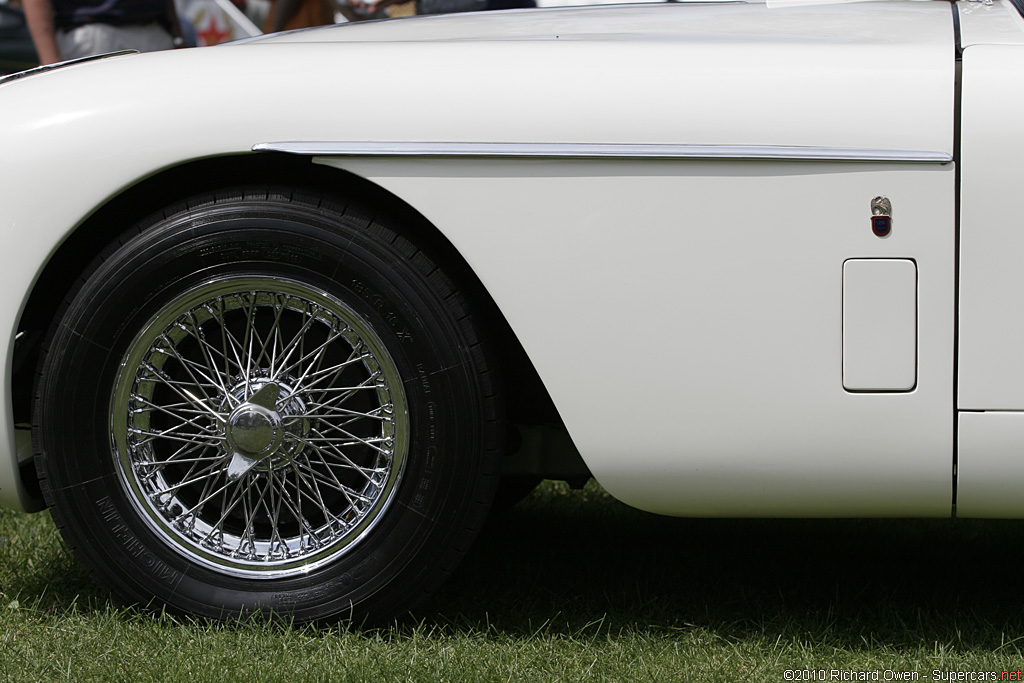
x=60, y=65
x=545, y=150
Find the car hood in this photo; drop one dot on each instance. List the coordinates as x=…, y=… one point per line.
x=883, y=22
x=874, y=76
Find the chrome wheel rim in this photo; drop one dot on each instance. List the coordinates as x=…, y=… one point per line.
x=259, y=426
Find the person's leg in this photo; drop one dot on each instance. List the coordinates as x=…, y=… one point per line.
x=96, y=39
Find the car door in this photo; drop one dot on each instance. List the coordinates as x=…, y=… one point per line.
x=991, y=366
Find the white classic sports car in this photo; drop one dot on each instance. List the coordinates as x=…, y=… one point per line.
x=283, y=313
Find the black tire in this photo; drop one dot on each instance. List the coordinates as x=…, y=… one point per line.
x=187, y=471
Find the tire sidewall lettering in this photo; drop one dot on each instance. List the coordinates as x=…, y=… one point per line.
x=135, y=554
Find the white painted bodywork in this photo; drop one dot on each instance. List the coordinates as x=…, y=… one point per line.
x=991, y=280
x=995, y=23
x=991, y=333
x=685, y=315
x=706, y=335
x=991, y=467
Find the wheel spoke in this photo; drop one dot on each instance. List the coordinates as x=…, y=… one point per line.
x=175, y=410
x=207, y=477
x=331, y=450
x=228, y=341
x=330, y=412
x=207, y=350
x=314, y=357
x=181, y=389
x=296, y=344
x=350, y=440
x=315, y=495
x=193, y=439
x=267, y=358
x=188, y=364
x=227, y=506
x=310, y=380
x=334, y=483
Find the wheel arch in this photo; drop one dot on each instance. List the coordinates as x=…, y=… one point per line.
x=527, y=400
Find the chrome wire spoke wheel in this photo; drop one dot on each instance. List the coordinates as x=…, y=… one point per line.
x=262, y=400
x=259, y=426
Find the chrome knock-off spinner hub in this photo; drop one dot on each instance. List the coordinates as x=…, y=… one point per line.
x=254, y=430
x=267, y=429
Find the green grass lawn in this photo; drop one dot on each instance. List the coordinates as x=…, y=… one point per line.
x=571, y=585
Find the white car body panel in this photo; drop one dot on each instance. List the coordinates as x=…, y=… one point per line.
x=990, y=367
x=744, y=412
x=990, y=467
x=995, y=23
x=735, y=416
x=991, y=282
